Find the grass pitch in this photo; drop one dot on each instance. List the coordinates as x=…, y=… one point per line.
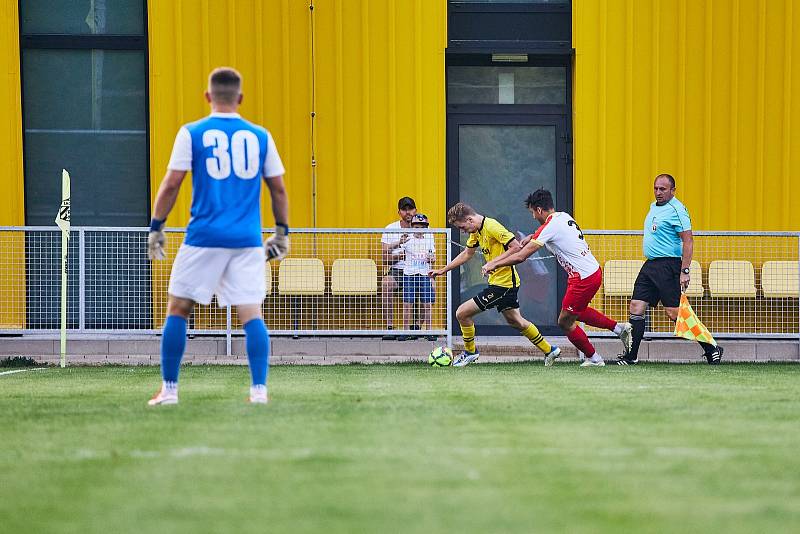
x=404, y=448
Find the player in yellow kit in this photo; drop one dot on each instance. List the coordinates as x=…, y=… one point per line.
x=501, y=293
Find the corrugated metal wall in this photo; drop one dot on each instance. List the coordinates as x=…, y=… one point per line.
x=378, y=72
x=703, y=89
x=12, y=199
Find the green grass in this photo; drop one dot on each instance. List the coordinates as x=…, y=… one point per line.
x=404, y=448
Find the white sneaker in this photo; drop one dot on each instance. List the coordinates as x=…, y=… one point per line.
x=626, y=336
x=258, y=395
x=551, y=357
x=589, y=363
x=465, y=358
x=164, y=397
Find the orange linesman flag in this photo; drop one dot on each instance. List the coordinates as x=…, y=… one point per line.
x=689, y=326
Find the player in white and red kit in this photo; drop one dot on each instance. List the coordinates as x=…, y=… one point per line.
x=563, y=238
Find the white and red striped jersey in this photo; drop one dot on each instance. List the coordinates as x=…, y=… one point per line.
x=563, y=238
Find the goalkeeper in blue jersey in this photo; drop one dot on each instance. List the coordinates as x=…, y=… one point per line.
x=222, y=252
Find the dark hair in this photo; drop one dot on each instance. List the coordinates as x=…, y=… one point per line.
x=225, y=84
x=668, y=177
x=541, y=198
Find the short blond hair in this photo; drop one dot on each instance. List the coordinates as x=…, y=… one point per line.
x=225, y=85
x=459, y=212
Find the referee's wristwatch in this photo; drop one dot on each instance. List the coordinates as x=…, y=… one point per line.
x=686, y=270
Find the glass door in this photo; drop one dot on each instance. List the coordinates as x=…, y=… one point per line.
x=495, y=160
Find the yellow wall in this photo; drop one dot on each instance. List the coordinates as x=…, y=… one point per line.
x=12, y=199
x=380, y=116
x=706, y=90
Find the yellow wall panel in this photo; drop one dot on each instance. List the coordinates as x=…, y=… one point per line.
x=701, y=89
x=12, y=201
x=377, y=69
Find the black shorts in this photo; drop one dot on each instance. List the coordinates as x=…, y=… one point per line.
x=502, y=298
x=659, y=280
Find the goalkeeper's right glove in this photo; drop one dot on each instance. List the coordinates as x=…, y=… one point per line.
x=156, y=240
x=277, y=246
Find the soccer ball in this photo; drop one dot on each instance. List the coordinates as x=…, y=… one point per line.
x=440, y=357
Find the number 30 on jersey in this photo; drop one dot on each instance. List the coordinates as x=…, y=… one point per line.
x=243, y=153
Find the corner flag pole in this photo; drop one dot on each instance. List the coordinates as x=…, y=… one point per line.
x=62, y=220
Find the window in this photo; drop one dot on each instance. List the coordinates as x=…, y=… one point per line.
x=84, y=108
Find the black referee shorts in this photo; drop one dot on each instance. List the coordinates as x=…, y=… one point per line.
x=659, y=280
x=502, y=298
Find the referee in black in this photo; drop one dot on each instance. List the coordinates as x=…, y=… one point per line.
x=668, y=246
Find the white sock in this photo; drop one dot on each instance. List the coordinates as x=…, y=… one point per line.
x=596, y=358
x=618, y=329
x=170, y=387
x=258, y=388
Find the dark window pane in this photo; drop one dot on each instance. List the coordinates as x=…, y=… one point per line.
x=85, y=112
x=507, y=85
x=82, y=17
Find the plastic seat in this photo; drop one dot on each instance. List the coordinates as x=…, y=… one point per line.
x=301, y=276
x=780, y=279
x=268, y=277
x=354, y=277
x=731, y=278
x=619, y=276
x=695, y=288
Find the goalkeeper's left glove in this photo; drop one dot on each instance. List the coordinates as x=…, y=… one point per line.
x=277, y=246
x=156, y=240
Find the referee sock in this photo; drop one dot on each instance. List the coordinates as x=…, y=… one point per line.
x=173, y=343
x=468, y=333
x=594, y=318
x=578, y=338
x=637, y=321
x=532, y=333
x=257, y=340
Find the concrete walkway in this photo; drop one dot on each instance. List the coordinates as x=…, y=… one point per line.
x=144, y=350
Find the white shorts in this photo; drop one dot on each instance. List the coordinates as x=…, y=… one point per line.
x=235, y=275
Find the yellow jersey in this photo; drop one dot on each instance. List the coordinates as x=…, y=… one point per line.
x=493, y=239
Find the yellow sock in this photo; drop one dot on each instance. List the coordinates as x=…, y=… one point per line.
x=468, y=333
x=536, y=338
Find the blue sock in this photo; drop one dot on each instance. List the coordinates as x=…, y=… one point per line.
x=173, y=343
x=257, y=350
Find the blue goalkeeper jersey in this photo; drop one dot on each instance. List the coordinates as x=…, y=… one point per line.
x=228, y=155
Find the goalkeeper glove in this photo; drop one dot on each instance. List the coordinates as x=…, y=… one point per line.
x=156, y=240
x=277, y=246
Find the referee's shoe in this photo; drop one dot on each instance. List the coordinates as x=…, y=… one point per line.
x=622, y=360
x=715, y=356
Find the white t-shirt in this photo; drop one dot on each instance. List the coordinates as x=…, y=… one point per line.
x=393, y=238
x=181, y=158
x=418, y=251
x=563, y=238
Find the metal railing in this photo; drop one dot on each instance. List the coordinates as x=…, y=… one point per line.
x=112, y=287
x=745, y=284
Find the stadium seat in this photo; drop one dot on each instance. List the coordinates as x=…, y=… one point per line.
x=354, y=277
x=619, y=276
x=268, y=276
x=729, y=278
x=780, y=279
x=695, y=288
x=301, y=276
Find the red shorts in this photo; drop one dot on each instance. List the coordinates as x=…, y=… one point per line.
x=580, y=292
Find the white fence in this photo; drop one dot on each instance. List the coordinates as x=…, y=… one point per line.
x=331, y=283
x=744, y=284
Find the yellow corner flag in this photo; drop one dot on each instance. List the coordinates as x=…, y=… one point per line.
x=689, y=326
x=62, y=220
